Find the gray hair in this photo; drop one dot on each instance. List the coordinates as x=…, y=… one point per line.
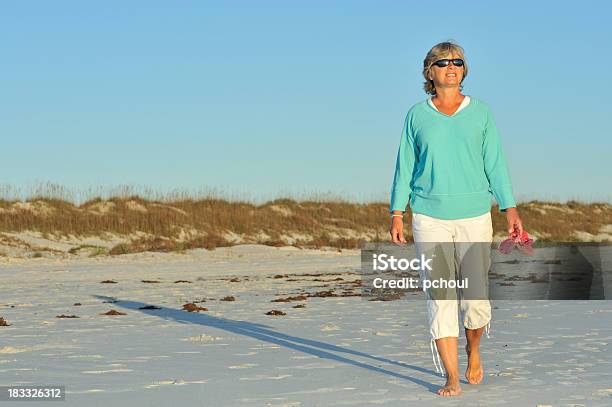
x=437, y=52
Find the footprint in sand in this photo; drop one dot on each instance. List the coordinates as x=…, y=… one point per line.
x=177, y=382
x=10, y=349
x=243, y=366
x=202, y=338
x=384, y=334
x=106, y=371
x=604, y=392
x=85, y=391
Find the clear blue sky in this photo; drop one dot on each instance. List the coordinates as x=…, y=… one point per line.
x=264, y=99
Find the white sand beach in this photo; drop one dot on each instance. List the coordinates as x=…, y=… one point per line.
x=334, y=351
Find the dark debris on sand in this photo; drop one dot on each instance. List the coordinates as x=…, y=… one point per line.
x=4, y=322
x=108, y=282
x=532, y=278
x=230, y=279
x=228, y=298
x=275, y=312
x=66, y=316
x=150, y=307
x=328, y=293
x=113, y=312
x=348, y=293
x=182, y=281
x=191, y=307
x=289, y=299
x=388, y=297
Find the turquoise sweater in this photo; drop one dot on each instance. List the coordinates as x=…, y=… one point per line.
x=448, y=166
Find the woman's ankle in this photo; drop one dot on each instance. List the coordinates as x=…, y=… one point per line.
x=452, y=378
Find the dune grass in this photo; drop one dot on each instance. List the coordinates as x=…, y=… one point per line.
x=176, y=223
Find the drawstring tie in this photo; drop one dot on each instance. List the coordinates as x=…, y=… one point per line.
x=434, y=354
x=487, y=329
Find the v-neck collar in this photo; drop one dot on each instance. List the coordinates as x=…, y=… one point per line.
x=457, y=112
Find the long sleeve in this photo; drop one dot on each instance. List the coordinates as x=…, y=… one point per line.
x=495, y=166
x=404, y=167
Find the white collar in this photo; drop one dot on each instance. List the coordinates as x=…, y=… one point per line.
x=464, y=103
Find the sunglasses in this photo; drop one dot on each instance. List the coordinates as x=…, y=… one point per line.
x=445, y=62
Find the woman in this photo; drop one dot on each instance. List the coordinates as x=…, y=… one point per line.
x=450, y=161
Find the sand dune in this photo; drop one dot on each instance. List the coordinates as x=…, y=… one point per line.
x=57, y=229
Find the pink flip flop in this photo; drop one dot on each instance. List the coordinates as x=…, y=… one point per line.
x=523, y=243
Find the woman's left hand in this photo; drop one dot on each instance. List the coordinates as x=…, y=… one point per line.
x=514, y=221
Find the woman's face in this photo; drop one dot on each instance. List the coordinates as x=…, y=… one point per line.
x=448, y=76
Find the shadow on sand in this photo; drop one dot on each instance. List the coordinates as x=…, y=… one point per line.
x=265, y=333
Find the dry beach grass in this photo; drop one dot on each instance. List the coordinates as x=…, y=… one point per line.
x=40, y=226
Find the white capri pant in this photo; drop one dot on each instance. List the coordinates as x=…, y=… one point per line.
x=443, y=315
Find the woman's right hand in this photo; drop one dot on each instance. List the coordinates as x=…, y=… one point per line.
x=397, y=230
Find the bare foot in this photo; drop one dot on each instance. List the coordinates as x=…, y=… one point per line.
x=450, y=389
x=474, y=373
